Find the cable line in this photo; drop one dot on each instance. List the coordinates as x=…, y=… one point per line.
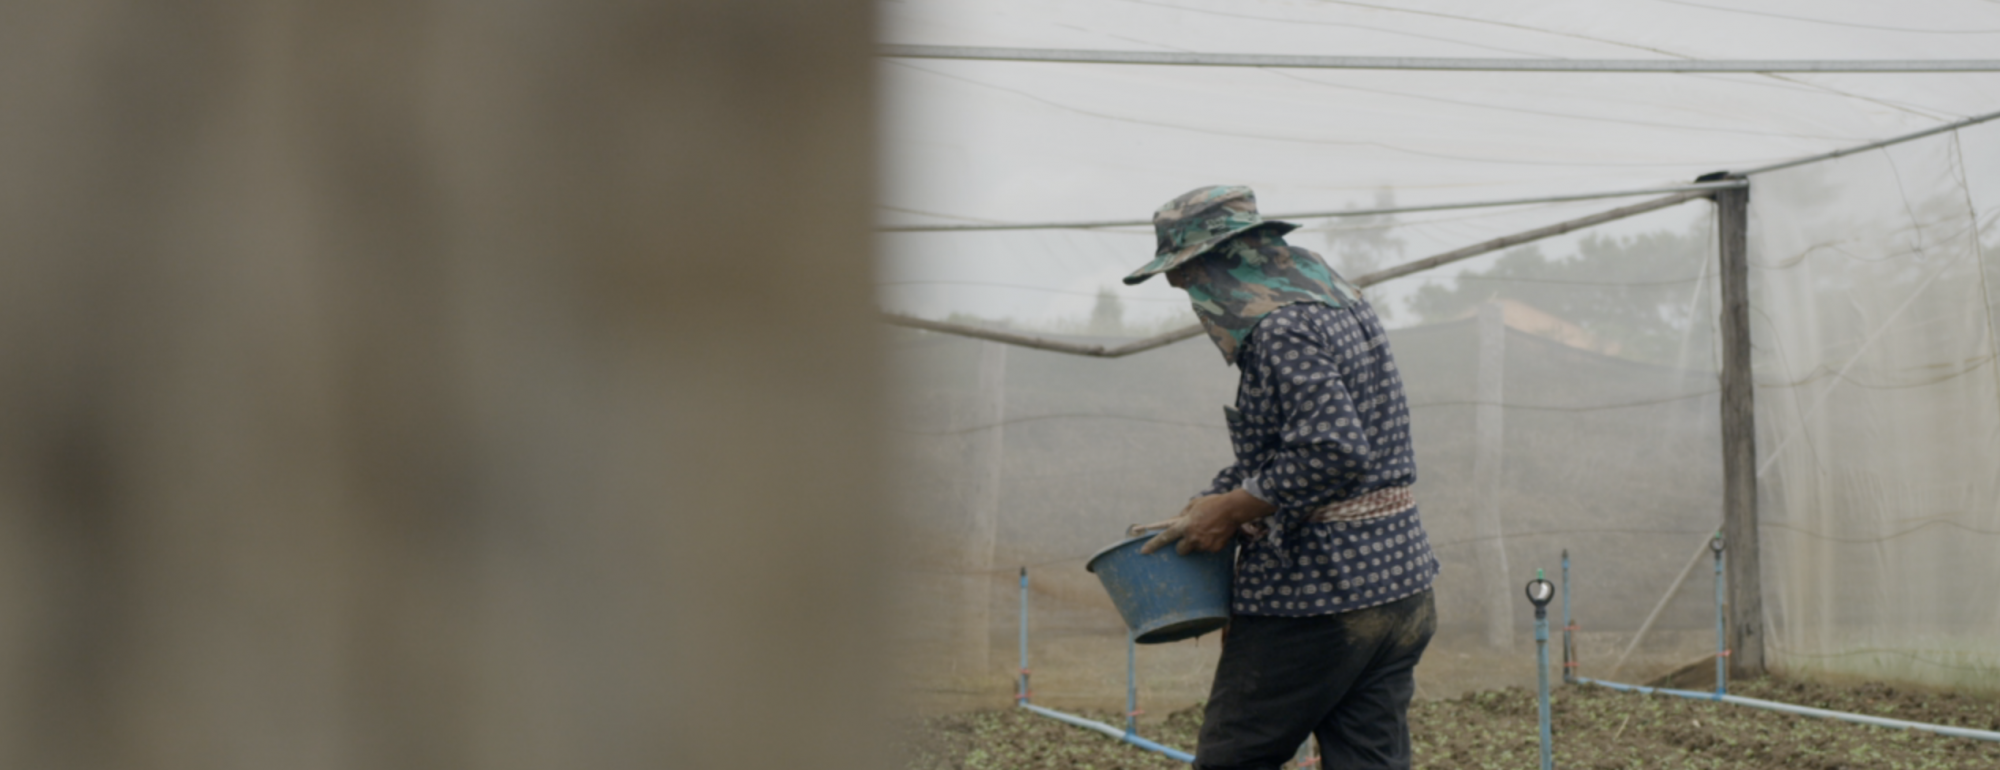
x=1364, y=281
x=1235, y=15
x=1703, y=187
x=1566, y=115
x=1458, y=102
x=1832, y=23
x=1181, y=59
x=1953, y=126
x=1043, y=289
x=1795, y=84
x=923, y=213
x=1294, y=139
x=1578, y=36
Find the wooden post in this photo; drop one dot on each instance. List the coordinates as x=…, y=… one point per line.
x=1739, y=439
x=1489, y=434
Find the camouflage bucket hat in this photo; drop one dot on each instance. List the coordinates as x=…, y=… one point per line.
x=1190, y=225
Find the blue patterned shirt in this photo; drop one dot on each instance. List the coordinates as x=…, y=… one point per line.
x=1321, y=431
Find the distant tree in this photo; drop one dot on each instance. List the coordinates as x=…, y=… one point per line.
x=1107, y=317
x=1634, y=291
x=1357, y=246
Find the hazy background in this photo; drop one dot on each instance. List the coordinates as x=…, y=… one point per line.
x=1029, y=142
x=1600, y=344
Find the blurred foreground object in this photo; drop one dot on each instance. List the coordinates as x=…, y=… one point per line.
x=439, y=385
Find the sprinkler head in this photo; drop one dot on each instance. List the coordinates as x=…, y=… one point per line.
x=1715, y=544
x=1540, y=592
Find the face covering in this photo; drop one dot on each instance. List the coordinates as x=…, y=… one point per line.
x=1246, y=277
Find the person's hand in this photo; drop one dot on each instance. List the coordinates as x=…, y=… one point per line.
x=1170, y=531
x=1207, y=523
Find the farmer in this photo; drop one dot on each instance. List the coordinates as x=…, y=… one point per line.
x=1331, y=604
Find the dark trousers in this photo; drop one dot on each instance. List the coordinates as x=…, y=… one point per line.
x=1346, y=678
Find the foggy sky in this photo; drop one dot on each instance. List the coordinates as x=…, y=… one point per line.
x=1010, y=141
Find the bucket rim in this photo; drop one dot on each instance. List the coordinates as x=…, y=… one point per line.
x=1090, y=565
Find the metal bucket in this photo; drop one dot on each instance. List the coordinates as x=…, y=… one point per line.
x=1164, y=596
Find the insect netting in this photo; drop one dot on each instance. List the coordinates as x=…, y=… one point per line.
x=1563, y=396
x=1878, y=410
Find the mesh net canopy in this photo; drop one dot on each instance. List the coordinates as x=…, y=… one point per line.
x=1878, y=410
x=1564, y=397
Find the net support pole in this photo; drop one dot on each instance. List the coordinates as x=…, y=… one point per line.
x=1489, y=456
x=986, y=454
x=1739, y=439
x=1407, y=268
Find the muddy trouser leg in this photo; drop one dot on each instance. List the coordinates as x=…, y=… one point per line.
x=1346, y=677
x=1370, y=727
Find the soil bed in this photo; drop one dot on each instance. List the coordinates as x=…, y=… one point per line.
x=1594, y=728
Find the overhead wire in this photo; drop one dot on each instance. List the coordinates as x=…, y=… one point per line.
x=1389, y=221
x=1552, y=114
x=1394, y=221
x=1064, y=416
x=1318, y=23
x=1363, y=89
x=1304, y=140
x=1459, y=102
x=921, y=212
x=1152, y=43
x=1830, y=22
x=1704, y=188
x=1025, y=287
x=1563, y=282
x=1512, y=64
x=1579, y=36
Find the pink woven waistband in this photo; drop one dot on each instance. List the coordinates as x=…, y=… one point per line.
x=1387, y=501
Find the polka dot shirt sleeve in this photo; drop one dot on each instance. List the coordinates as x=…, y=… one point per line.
x=1226, y=480
x=1322, y=448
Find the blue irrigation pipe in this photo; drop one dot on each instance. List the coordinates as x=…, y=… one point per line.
x=1114, y=732
x=1131, y=684
x=1542, y=673
x=1127, y=735
x=1721, y=623
x=1021, y=692
x=1897, y=724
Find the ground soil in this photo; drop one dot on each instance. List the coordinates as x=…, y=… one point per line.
x=1594, y=728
